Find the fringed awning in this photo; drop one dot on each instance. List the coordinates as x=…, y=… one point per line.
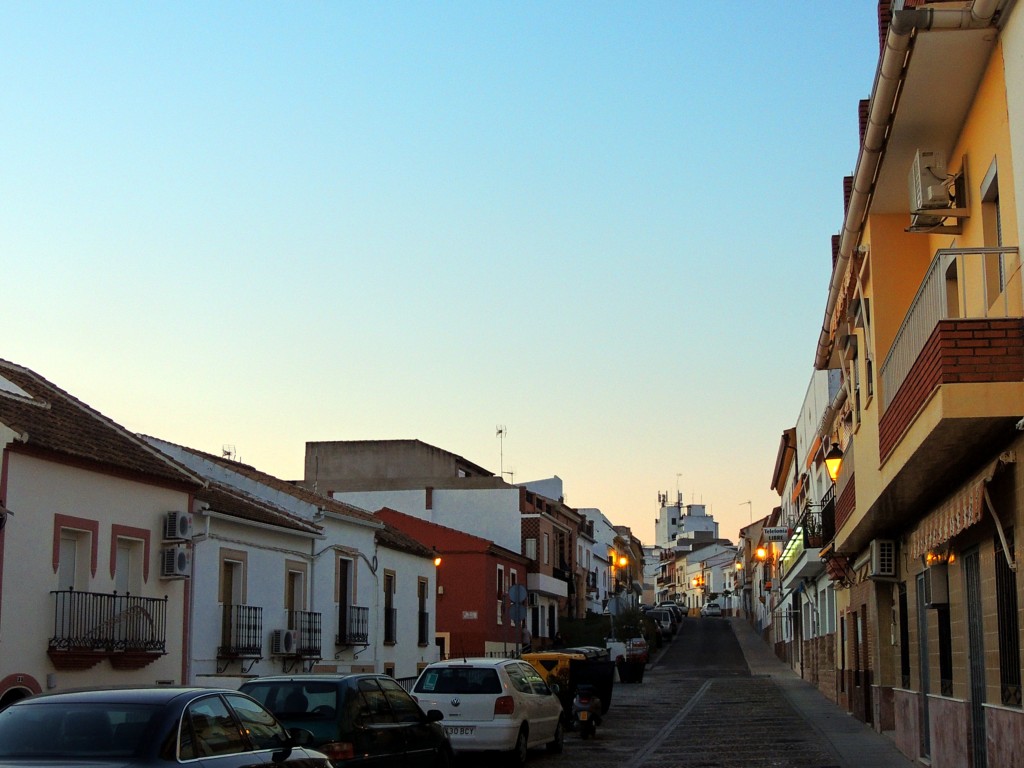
x=957, y=513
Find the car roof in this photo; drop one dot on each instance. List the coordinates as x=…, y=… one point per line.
x=126, y=695
x=478, y=661
x=313, y=677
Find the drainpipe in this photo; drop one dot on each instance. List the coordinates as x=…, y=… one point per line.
x=881, y=111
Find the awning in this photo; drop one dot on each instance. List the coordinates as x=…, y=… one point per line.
x=957, y=513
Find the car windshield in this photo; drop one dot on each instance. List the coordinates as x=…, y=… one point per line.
x=73, y=730
x=459, y=680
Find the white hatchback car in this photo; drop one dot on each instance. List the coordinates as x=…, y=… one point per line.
x=492, y=705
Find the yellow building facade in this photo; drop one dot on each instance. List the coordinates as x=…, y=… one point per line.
x=925, y=319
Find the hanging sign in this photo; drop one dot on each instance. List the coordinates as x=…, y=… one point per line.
x=777, y=534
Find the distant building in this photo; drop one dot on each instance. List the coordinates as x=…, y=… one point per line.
x=682, y=521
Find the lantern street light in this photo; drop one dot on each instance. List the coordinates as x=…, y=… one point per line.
x=833, y=461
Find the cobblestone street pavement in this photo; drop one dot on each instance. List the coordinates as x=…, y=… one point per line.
x=699, y=706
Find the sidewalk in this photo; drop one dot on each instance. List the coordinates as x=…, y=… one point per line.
x=854, y=743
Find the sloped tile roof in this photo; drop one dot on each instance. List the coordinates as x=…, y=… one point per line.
x=392, y=538
x=235, y=503
x=440, y=536
x=297, y=491
x=49, y=420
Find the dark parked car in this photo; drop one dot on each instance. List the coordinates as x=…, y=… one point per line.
x=161, y=726
x=358, y=719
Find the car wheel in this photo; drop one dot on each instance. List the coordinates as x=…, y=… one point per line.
x=517, y=757
x=558, y=741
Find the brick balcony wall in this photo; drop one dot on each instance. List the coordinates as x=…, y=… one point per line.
x=958, y=352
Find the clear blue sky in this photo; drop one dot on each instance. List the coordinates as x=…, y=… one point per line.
x=604, y=226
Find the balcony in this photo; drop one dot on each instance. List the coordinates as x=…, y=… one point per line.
x=390, y=626
x=308, y=626
x=353, y=625
x=951, y=384
x=88, y=627
x=241, y=635
x=802, y=556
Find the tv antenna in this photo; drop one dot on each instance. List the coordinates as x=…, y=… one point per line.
x=501, y=430
x=751, y=505
x=228, y=452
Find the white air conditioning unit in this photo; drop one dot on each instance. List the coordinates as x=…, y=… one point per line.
x=936, y=585
x=927, y=181
x=534, y=599
x=175, y=562
x=284, y=642
x=178, y=526
x=883, y=558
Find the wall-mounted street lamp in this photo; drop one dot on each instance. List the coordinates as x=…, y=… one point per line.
x=833, y=461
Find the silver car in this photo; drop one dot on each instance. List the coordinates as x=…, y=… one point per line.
x=500, y=705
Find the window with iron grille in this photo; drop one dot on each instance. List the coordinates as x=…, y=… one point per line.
x=1008, y=628
x=904, y=636
x=945, y=651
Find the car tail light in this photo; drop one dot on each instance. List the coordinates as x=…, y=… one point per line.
x=338, y=750
x=504, y=705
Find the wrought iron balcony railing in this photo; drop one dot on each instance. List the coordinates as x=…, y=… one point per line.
x=241, y=631
x=308, y=625
x=353, y=625
x=108, y=622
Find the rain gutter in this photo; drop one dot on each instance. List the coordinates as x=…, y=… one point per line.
x=881, y=111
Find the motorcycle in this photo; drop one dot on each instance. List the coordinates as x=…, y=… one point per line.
x=586, y=711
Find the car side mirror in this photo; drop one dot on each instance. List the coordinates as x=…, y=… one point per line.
x=297, y=737
x=300, y=737
x=434, y=715
x=554, y=688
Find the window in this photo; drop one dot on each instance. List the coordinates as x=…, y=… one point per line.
x=1008, y=631
x=530, y=549
x=213, y=731
x=402, y=705
x=232, y=577
x=547, y=549
x=390, y=614
x=295, y=587
x=128, y=566
x=259, y=724
x=904, y=616
x=75, y=551
x=945, y=651
x=500, y=581
x=423, y=617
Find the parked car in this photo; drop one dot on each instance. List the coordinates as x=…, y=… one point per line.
x=675, y=608
x=500, y=705
x=665, y=620
x=161, y=726
x=711, y=609
x=365, y=716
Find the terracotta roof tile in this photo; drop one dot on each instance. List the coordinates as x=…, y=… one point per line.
x=235, y=503
x=297, y=491
x=50, y=420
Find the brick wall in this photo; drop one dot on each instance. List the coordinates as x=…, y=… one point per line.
x=958, y=351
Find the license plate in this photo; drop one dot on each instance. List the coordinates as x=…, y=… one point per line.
x=584, y=715
x=459, y=730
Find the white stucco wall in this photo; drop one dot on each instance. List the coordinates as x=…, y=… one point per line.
x=491, y=513
x=37, y=490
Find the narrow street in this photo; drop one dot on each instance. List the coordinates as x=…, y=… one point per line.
x=699, y=706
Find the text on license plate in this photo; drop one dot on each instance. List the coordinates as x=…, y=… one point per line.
x=584, y=715
x=459, y=730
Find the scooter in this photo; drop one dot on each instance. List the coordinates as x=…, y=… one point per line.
x=586, y=711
